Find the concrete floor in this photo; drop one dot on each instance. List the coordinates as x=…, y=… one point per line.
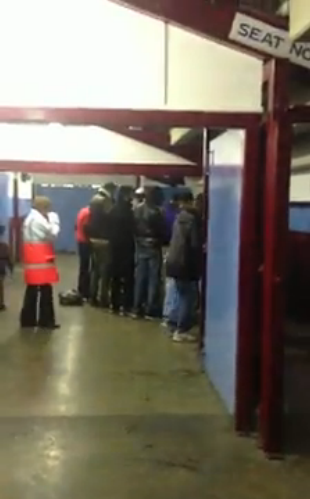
x=109, y=408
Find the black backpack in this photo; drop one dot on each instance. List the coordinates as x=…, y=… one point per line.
x=70, y=298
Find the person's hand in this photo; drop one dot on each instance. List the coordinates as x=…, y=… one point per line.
x=53, y=218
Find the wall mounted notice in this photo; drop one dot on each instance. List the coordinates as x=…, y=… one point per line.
x=265, y=38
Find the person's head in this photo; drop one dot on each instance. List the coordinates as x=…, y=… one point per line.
x=158, y=196
x=174, y=201
x=99, y=202
x=139, y=195
x=199, y=202
x=96, y=204
x=186, y=200
x=124, y=195
x=110, y=188
x=152, y=197
x=42, y=204
x=103, y=192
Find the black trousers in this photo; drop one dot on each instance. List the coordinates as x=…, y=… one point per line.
x=84, y=250
x=100, y=275
x=38, y=307
x=122, y=287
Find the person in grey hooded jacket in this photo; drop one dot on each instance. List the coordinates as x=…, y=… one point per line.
x=183, y=264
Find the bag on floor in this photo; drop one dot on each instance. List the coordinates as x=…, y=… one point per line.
x=70, y=298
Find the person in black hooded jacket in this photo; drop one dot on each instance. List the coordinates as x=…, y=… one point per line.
x=183, y=264
x=122, y=252
x=150, y=236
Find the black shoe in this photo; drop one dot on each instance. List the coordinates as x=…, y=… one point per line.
x=115, y=311
x=51, y=327
x=137, y=314
x=94, y=303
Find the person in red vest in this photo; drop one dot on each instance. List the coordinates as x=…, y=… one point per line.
x=40, y=229
x=84, y=251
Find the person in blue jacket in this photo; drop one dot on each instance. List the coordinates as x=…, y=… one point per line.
x=183, y=265
x=170, y=299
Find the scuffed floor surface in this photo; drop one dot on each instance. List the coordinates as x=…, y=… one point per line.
x=109, y=408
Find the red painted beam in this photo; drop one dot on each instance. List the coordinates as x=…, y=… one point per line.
x=128, y=117
x=147, y=169
x=208, y=19
x=249, y=258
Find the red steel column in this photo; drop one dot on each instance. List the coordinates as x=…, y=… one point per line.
x=248, y=283
x=205, y=219
x=277, y=177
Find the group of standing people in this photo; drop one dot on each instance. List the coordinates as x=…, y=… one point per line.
x=105, y=238
x=136, y=257
x=140, y=259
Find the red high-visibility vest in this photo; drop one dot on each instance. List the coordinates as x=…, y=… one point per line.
x=39, y=263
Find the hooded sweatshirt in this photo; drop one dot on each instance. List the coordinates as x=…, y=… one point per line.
x=184, y=254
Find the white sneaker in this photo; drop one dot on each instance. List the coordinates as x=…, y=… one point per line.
x=179, y=337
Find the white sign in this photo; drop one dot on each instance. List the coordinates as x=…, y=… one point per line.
x=261, y=36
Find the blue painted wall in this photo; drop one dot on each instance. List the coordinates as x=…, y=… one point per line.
x=222, y=275
x=299, y=218
x=66, y=201
x=24, y=206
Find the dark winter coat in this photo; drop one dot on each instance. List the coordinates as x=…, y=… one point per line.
x=184, y=254
x=122, y=235
x=150, y=230
x=99, y=224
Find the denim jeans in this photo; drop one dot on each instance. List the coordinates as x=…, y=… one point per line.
x=171, y=297
x=182, y=314
x=147, y=280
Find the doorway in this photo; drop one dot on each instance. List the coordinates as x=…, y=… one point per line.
x=296, y=371
x=245, y=252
